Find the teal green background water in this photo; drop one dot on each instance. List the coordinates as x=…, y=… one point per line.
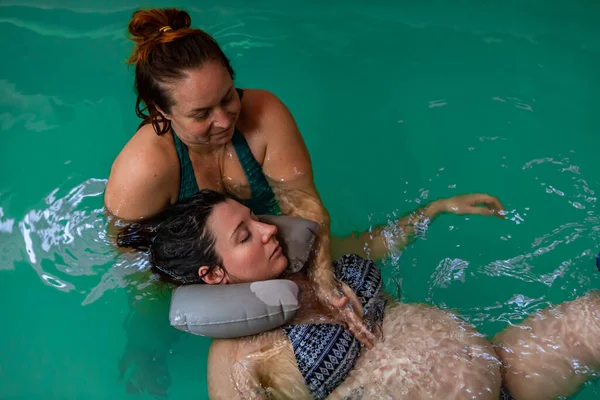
x=399, y=103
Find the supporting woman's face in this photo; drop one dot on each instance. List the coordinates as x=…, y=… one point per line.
x=206, y=107
x=249, y=249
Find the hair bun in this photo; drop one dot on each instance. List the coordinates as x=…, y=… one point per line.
x=145, y=29
x=178, y=19
x=146, y=24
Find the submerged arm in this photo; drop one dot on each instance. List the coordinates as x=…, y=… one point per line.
x=144, y=363
x=230, y=378
x=255, y=368
x=379, y=241
x=288, y=163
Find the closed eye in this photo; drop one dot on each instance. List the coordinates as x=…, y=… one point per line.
x=246, y=238
x=201, y=116
x=227, y=98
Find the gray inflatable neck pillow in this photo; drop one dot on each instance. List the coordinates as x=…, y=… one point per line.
x=244, y=309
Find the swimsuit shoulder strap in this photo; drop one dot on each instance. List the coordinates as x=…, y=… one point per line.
x=262, y=199
x=187, y=180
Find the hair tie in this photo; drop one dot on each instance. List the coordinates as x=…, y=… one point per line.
x=165, y=28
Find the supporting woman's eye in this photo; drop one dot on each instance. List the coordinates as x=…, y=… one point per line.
x=201, y=116
x=227, y=98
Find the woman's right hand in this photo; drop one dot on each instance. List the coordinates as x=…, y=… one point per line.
x=344, y=304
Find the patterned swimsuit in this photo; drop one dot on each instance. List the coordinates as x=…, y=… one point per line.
x=326, y=353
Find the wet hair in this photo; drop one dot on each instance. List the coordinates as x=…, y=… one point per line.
x=165, y=48
x=178, y=239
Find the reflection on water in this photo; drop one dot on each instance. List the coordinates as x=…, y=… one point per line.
x=33, y=112
x=6, y=226
x=8, y=242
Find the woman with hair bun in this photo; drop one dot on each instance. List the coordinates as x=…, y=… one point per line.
x=199, y=131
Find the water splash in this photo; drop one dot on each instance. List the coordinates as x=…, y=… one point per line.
x=67, y=238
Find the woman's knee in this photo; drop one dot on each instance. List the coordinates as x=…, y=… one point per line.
x=552, y=352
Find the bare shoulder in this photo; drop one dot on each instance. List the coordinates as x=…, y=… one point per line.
x=221, y=353
x=263, y=107
x=221, y=358
x=260, y=96
x=247, y=365
x=144, y=177
x=228, y=375
x=286, y=157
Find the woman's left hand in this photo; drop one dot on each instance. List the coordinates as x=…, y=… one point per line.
x=477, y=203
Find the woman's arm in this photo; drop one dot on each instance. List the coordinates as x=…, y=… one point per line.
x=257, y=368
x=288, y=165
x=144, y=178
x=379, y=241
x=227, y=378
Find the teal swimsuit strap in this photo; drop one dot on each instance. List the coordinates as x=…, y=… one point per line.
x=187, y=180
x=262, y=200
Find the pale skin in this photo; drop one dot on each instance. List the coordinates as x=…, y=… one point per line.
x=144, y=178
x=423, y=352
x=554, y=351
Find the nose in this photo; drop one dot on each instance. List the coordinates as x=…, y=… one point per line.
x=221, y=119
x=267, y=231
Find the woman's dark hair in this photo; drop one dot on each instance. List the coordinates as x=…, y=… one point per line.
x=178, y=239
x=165, y=47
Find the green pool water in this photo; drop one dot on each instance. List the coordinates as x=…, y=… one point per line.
x=399, y=103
